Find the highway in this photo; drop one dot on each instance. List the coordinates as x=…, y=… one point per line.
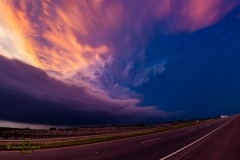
x=215, y=140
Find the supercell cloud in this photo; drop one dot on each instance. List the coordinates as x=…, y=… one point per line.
x=90, y=56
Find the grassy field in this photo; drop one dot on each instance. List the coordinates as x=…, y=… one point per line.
x=63, y=142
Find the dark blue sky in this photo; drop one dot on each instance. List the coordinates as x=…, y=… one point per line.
x=201, y=77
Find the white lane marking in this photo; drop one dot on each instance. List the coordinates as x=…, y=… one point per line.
x=151, y=140
x=192, y=129
x=170, y=155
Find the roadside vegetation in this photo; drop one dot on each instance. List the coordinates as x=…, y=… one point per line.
x=86, y=135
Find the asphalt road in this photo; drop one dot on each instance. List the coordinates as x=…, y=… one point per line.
x=218, y=140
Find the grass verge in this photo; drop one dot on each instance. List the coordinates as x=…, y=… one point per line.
x=55, y=143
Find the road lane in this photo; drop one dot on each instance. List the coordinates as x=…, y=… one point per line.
x=155, y=147
x=151, y=140
x=222, y=145
x=193, y=143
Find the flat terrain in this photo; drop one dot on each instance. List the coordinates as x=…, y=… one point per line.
x=19, y=134
x=213, y=140
x=10, y=134
x=86, y=135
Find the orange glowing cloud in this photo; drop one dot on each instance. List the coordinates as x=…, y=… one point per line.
x=61, y=50
x=70, y=36
x=16, y=32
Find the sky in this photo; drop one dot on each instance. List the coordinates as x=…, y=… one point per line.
x=88, y=62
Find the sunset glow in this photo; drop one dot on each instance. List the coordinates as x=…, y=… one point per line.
x=88, y=52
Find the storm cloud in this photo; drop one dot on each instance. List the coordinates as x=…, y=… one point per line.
x=96, y=61
x=28, y=94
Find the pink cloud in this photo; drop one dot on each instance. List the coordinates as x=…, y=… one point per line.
x=72, y=40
